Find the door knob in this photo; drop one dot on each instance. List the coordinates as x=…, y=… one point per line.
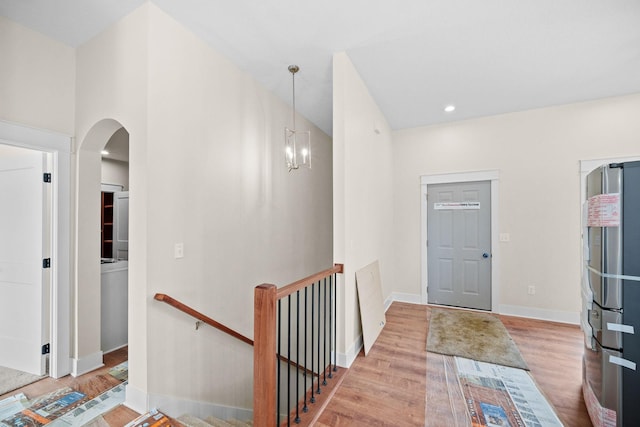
x=485, y=255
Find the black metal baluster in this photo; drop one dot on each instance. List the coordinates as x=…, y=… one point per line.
x=279, y=352
x=330, y=324
x=324, y=328
x=335, y=323
x=297, y=420
x=318, y=391
x=289, y=358
x=313, y=320
x=305, y=408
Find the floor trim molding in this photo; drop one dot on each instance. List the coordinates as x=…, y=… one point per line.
x=540, y=313
x=346, y=359
x=506, y=309
x=86, y=364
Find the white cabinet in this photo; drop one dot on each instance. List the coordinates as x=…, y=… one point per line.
x=114, y=302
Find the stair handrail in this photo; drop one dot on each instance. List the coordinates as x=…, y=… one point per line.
x=303, y=283
x=265, y=356
x=209, y=321
x=202, y=317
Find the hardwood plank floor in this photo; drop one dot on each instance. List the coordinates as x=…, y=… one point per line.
x=388, y=387
x=92, y=384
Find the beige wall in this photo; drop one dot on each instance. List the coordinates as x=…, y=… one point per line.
x=37, y=79
x=362, y=193
x=111, y=93
x=37, y=90
x=115, y=172
x=206, y=170
x=537, y=153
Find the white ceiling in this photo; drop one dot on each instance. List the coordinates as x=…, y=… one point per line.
x=416, y=56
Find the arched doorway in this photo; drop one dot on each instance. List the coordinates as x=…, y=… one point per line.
x=114, y=242
x=88, y=346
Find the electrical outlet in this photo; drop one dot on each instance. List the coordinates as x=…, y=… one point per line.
x=178, y=250
x=531, y=290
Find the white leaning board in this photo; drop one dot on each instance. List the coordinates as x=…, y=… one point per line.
x=371, y=304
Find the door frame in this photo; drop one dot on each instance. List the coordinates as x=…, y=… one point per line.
x=59, y=146
x=491, y=175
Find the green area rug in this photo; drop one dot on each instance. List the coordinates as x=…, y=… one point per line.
x=472, y=335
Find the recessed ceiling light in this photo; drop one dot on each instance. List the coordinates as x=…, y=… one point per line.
x=104, y=152
x=449, y=108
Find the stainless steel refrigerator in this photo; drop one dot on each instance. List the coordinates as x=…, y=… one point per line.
x=611, y=364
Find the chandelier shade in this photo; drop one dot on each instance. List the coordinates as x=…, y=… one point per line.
x=297, y=144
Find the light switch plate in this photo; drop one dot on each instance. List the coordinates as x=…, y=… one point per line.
x=504, y=237
x=178, y=250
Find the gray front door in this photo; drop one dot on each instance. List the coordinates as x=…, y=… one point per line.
x=459, y=244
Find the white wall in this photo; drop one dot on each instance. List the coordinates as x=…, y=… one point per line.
x=537, y=153
x=206, y=170
x=37, y=91
x=37, y=79
x=115, y=172
x=218, y=184
x=362, y=194
x=111, y=93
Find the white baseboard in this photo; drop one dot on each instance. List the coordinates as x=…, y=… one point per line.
x=115, y=348
x=346, y=359
x=174, y=407
x=86, y=364
x=402, y=297
x=506, y=309
x=136, y=399
x=540, y=313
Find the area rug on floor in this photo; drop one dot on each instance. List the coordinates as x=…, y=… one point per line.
x=10, y=379
x=472, y=335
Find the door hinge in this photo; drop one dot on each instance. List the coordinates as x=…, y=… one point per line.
x=46, y=263
x=46, y=349
x=46, y=177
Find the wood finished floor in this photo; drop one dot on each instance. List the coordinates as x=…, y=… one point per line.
x=388, y=386
x=92, y=384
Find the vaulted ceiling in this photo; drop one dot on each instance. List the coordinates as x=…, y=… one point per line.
x=415, y=56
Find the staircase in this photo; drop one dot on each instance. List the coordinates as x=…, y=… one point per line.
x=191, y=421
x=294, y=364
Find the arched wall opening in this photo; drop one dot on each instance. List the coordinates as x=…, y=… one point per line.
x=87, y=346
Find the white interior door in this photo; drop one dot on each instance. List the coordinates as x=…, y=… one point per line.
x=121, y=231
x=23, y=290
x=459, y=244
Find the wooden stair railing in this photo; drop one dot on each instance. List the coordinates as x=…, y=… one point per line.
x=203, y=318
x=209, y=321
x=267, y=297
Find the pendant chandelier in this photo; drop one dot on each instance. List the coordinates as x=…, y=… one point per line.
x=297, y=144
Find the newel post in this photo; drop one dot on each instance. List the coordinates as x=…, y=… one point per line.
x=264, y=356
